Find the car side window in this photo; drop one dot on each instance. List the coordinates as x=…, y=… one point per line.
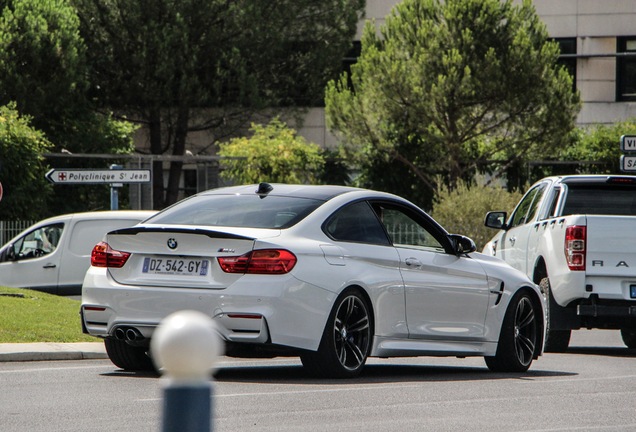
x=356, y=223
x=405, y=231
x=527, y=208
x=39, y=242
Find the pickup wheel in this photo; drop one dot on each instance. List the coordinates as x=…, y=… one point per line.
x=629, y=337
x=556, y=341
x=519, y=336
x=128, y=357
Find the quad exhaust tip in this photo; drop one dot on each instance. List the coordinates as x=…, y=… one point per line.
x=130, y=334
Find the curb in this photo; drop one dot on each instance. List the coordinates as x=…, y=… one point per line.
x=43, y=351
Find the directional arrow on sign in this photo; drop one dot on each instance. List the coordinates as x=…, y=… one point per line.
x=88, y=176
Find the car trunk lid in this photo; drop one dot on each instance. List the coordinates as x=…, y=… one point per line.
x=179, y=256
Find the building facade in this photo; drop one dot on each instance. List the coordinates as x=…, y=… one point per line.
x=598, y=45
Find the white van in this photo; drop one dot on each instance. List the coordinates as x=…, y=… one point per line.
x=54, y=254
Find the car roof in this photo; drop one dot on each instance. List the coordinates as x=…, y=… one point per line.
x=319, y=192
x=594, y=178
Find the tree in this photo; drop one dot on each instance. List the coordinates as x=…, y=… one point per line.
x=42, y=60
x=462, y=210
x=274, y=153
x=183, y=67
x=43, y=70
x=22, y=167
x=450, y=88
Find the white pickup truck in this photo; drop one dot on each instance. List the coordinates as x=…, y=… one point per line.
x=575, y=236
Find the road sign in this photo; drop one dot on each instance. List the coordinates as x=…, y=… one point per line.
x=628, y=143
x=628, y=163
x=89, y=176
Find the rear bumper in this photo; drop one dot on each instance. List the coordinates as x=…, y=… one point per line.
x=280, y=310
x=606, y=311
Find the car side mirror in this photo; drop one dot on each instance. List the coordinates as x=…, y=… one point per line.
x=496, y=219
x=462, y=244
x=10, y=252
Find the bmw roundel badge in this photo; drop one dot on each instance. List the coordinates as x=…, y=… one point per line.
x=172, y=243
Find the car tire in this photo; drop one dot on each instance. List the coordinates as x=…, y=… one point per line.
x=556, y=341
x=346, y=340
x=520, y=334
x=128, y=357
x=629, y=337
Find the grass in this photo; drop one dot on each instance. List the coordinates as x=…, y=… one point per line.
x=33, y=316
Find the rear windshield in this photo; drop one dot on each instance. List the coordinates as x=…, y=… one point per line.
x=248, y=211
x=600, y=199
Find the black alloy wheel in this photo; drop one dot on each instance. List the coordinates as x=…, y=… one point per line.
x=346, y=341
x=519, y=336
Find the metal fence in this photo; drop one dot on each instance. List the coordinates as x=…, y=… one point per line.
x=9, y=229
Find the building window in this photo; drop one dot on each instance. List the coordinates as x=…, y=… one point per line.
x=626, y=69
x=567, y=58
x=350, y=59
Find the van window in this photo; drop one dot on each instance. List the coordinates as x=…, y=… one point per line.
x=39, y=242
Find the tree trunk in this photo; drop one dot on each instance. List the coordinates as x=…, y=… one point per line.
x=178, y=149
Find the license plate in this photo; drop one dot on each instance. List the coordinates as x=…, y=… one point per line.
x=632, y=291
x=176, y=266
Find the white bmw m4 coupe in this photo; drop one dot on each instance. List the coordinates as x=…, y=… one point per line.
x=331, y=274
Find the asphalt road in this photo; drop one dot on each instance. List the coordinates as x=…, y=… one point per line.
x=592, y=387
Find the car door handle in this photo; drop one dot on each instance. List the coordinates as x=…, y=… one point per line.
x=413, y=262
x=512, y=240
x=49, y=265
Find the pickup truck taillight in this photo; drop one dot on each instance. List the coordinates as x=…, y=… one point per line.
x=104, y=256
x=575, y=245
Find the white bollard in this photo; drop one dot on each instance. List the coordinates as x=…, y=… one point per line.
x=185, y=347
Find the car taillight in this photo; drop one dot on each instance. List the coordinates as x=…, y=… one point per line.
x=104, y=256
x=264, y=261
x=575, y=239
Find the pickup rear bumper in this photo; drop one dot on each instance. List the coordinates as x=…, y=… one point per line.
x=595, y=310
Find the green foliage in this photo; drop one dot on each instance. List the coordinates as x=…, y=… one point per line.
x=274, y=153
x=462, y=209
x=22, y=168
x=599, y=143
x=33, y=316
x=43, y=70
x=159, y=60
x=42, y=65
x=451, y=88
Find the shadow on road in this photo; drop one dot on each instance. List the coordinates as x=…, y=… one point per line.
x=602, y=351
x=373, y=374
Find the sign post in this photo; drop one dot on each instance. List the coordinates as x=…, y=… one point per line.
x=114, y=189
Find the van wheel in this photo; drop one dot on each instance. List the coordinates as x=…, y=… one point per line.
x=629, y=337
x=128, y=357
x=346, y=340
x=556, y=341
